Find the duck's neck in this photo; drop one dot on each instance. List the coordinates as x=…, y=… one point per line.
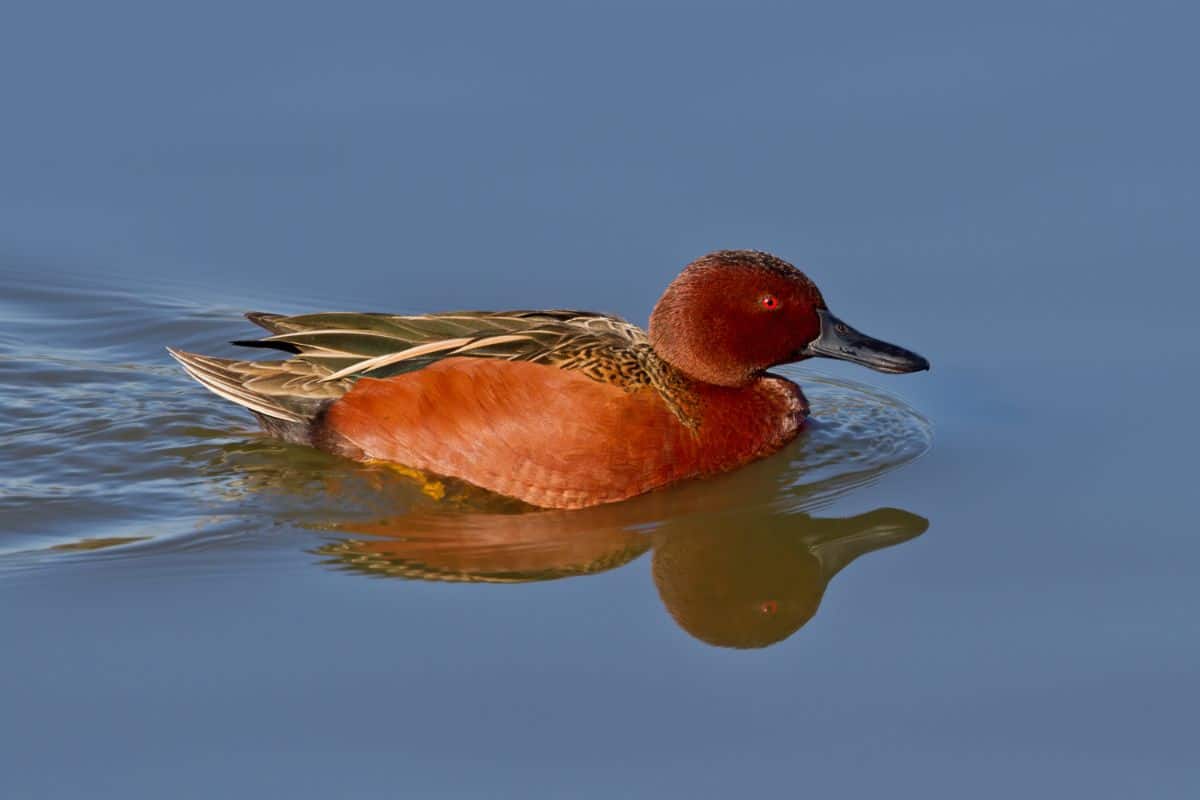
x=678, y=390
x=768, y=408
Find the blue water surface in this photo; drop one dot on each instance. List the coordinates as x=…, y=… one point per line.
x=188, y=610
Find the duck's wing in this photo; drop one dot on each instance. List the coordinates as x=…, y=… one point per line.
x=349, y=345
x=331, y=351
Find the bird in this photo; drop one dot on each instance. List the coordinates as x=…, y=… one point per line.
x=556, y=408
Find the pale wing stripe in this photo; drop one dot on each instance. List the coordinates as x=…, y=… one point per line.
x=319, y=350
x=375, y=363
x=491, y=340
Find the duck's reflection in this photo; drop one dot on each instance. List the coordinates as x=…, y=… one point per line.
x=734, y=579
x=755, y=586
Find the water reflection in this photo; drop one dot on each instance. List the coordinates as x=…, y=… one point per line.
x=745, y=578
x=739, y=560
x=752, y=584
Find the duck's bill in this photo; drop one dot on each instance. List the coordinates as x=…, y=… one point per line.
x=839, y=340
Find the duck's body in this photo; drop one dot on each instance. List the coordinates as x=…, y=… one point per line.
x=560, y=409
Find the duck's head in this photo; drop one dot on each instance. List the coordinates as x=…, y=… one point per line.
x=735, y=313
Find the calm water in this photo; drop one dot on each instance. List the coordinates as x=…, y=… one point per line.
x=981, y=581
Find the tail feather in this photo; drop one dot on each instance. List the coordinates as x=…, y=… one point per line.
x=224, y=378
x=291, y=391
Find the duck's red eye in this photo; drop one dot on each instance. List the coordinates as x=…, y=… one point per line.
x=769, y=301
x=768, y=608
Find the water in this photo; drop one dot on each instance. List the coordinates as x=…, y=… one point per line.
x=979, y=581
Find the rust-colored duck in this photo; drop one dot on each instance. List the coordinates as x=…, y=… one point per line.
x=560, y=409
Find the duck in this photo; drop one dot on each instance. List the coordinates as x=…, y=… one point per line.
x=556, y=408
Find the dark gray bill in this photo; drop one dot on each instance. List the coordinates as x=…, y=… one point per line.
x=839, y=340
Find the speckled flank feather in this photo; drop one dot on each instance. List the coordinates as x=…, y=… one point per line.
x=332, y=350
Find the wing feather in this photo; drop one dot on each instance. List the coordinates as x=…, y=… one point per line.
x=331, y=350
x=353, y=344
